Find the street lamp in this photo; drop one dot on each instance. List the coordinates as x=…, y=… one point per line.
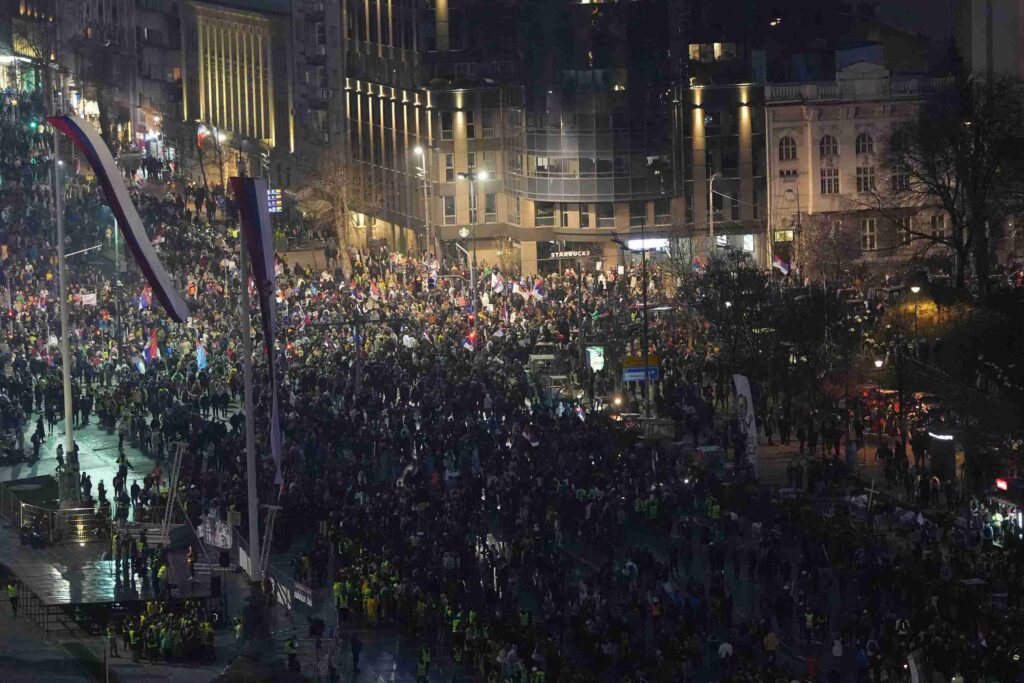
x=421, y=172
x=472, y=177
x=879, y=362
x=915, y=289
x=711, y=210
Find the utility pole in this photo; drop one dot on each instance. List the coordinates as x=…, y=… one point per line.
x=244, y=318
x=472, y=176
x=711, y=212
x=70, y=489
x=647, y=369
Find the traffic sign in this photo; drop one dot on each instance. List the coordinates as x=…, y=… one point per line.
x=637, y=374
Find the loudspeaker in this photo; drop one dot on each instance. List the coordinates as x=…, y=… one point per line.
x=215, y=586
x=224, y=560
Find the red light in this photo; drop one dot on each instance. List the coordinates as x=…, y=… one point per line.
x=1002, y=484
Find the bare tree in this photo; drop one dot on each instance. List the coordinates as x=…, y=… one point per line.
x=827, y=245
x=347, y=188
x=962, y=155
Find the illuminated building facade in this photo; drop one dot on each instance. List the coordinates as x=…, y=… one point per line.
x=236, y=83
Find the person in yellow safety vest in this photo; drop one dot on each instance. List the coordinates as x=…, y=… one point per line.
x=12, y=595
x=291, y=650
x=538, y=676
x=714, y=510
x=238, y=632
x=652, y=509
x=133, y=634
x=524, y=618
x=423, y=665
x=161, y=578
x=112, y=640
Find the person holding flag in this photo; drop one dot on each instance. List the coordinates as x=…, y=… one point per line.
x=152, y=350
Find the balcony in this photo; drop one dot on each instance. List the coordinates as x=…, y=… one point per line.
x=855, y=90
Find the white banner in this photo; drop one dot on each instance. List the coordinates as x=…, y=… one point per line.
x=89, y=299
x=745, y=415
x=215, y=532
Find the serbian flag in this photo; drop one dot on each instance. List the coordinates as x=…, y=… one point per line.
x=89, y=142
x=258, y=240
x=516, y=289
x=538, y=289
x=152, y=350
x=497, y=282
x=374, y=291
x=781, y=264
x=145, y=297
x=201, y=360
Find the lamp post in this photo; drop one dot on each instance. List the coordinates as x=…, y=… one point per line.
x=472, y=177
x=711, y=211
x=422, y=173
x=915, y=289
x=896, y=348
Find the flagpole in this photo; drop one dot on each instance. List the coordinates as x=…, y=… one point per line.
x=244, y=314
x=70, y=492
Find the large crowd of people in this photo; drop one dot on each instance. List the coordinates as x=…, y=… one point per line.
x=448, y=490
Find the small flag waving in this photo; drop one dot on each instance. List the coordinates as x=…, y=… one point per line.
x=152, y=350
x=497, y=282
x=781, y=264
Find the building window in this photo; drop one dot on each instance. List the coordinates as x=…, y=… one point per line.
x=515, y=211
x=903, y=227
x=868, y=234
x=637, y=214
x=830, y=181
x=865, y=179
x=865, y=144
x=585, y=220
x=544, y=214
x=829, y=147
x=787, y=149
x=901, y=179
x=663, y=211
x=939, y=226
x=447, y=128
x=470, y=126
x=564, y=210
x=490, y=208
x=748, y=243
x=449, y=168
x=470, y=161
x=784, y=235
x=605, y=214
x=789, y=174
x=449, y=210
x=541, y=165
x=487, y=122
x=734, y=207
x=472, y=207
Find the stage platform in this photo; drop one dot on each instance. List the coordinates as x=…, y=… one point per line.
x=71, y=586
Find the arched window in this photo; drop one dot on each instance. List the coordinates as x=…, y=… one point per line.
x=865, y=144
x=829, y=147
x=787, y=149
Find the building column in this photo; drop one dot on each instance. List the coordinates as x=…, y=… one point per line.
x=528, y=257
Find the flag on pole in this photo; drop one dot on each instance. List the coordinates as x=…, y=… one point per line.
x=254, y=214
x=85, y=136
x=152, y=350
x=145, y=297
x=538, y=289
x=374, y=291
x=781, y=264
x=201, y=361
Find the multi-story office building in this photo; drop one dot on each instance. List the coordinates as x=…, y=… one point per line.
x=237, y=85
x=158, y=35
x=988, y=36
x=536, y=123
x=825, y=146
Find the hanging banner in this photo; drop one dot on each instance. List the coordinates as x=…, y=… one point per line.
x=745, y=415
x=87, y=139
x=251, y=195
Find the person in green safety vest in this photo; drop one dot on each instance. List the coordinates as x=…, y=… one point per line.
x=12, y=595
x=423, y=665
x=291, y=650
x=238, y=631
x=136, y=640
x=112, y=640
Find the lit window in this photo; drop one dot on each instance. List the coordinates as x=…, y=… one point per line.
x=447, y=127
x=939, y=226
x=449, y=210
x=544, y=214
x=490, y=208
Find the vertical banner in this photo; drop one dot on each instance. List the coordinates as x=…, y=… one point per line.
x=87, y=139
x=254, y=215
x=745, y=415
